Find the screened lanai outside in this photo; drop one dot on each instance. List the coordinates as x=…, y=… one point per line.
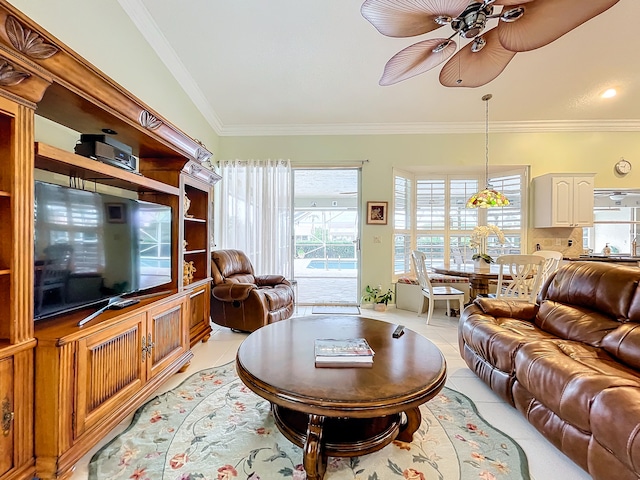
x=430, y=215
x=326, y=236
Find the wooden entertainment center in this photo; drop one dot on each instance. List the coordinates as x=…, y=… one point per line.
x=64, y=387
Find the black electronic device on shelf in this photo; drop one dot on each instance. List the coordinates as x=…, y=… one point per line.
x=108, y=150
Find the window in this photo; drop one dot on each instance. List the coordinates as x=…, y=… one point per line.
x=430, y=215
x=615, y=222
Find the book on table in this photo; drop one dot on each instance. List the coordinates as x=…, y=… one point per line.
x=343, y=352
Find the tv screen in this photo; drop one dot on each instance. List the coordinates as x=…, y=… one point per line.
x=90, y=247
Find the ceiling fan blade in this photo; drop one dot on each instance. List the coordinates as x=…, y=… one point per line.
x=408, y=18
x=474, y=69
x=416, y=59
x=544, y=21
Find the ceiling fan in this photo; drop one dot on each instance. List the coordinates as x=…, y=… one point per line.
x=523, y=25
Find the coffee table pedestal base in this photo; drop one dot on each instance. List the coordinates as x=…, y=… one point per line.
x=321, y=436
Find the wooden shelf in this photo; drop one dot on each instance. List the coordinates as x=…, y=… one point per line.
x=195, y=220
x=4, y=194
x=56, y=160
x=193, y=252
x=5, y=271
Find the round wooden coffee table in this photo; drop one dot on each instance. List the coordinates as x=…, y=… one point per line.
x=341, y=412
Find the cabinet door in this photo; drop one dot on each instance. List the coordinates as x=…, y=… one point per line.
x=110, y=369
x=199, y=325
x=167, y=335
x=6, y=415
x=583, y=201
x=562, y=202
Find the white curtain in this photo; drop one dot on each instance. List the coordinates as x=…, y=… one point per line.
x=256, y=212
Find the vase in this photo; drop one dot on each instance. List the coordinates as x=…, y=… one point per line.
x=481, y=265
x=379, y=307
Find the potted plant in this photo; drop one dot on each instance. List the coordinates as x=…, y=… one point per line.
x=379, y=298
x=479, y=242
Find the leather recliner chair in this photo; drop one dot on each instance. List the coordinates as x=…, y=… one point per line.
x=243, y=301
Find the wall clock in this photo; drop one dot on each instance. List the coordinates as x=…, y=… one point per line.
x=623, y=166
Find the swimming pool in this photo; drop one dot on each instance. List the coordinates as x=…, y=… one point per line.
x=332, y=264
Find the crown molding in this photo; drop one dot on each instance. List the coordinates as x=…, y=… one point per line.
x=432, y=128
x=143, y=20
x=148, y=28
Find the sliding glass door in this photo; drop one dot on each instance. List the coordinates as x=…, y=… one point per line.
x=326, y=236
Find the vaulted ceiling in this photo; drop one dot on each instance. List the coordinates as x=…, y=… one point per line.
x=312, y=67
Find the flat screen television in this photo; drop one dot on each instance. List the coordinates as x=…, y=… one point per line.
x=91, y=247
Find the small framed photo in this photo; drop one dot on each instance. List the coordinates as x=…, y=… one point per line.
x=377, y=213
x=116, y=212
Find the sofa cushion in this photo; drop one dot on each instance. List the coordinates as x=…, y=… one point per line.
x=567, y=376
x=278, y=297
x=231, y=266
x=574, y=322
x=624, y=344
x=496, y=338
x=597, y=286
x=240, y=278
x=435, y=278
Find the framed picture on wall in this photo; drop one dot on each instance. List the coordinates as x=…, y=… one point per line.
x=377, y=213
x=116, y=212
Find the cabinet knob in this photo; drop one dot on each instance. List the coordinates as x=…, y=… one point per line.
x=7, y=416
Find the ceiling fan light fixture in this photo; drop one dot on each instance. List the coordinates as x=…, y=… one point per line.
x=478, y=44
x=512, y=14
x=441, y=46
x=443, y=19
x=487, y=198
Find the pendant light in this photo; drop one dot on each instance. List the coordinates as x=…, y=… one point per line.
x=488, y=197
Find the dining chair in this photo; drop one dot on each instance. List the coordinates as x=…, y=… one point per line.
x=54, y=274
x=519, y=277
x=552, y=263
x=429, y=292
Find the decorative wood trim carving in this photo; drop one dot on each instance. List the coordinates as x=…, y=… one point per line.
x=9, y=75
x=27, y=41
x=147, y=120
x=201, y=172
x=194, y=169
x=202, y=155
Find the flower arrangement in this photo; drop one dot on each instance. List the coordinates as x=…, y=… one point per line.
x=478, y=241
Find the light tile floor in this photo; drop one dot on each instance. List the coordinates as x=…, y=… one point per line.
x=545, y=462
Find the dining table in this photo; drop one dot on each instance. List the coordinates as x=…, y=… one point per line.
x=479, y=275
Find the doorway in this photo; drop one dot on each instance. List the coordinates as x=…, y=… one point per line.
x=326, y=235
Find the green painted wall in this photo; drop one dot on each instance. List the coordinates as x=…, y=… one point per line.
x=544, y=152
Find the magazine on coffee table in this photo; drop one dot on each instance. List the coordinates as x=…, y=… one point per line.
x=343, y=352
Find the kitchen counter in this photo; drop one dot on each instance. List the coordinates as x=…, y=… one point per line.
x=622, y=259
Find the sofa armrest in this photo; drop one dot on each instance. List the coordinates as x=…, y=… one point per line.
x=271, y=280
x=614, y=420
x=231, y=292
x=507, y=308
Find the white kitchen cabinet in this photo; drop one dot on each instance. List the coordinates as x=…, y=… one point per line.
x=563, y=200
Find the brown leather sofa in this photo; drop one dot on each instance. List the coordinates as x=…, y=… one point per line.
x=570, y=364
x=243, y=301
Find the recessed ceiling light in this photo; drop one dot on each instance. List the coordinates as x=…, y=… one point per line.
x=609, y=93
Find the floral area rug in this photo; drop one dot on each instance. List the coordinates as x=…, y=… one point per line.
x=212, y=427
